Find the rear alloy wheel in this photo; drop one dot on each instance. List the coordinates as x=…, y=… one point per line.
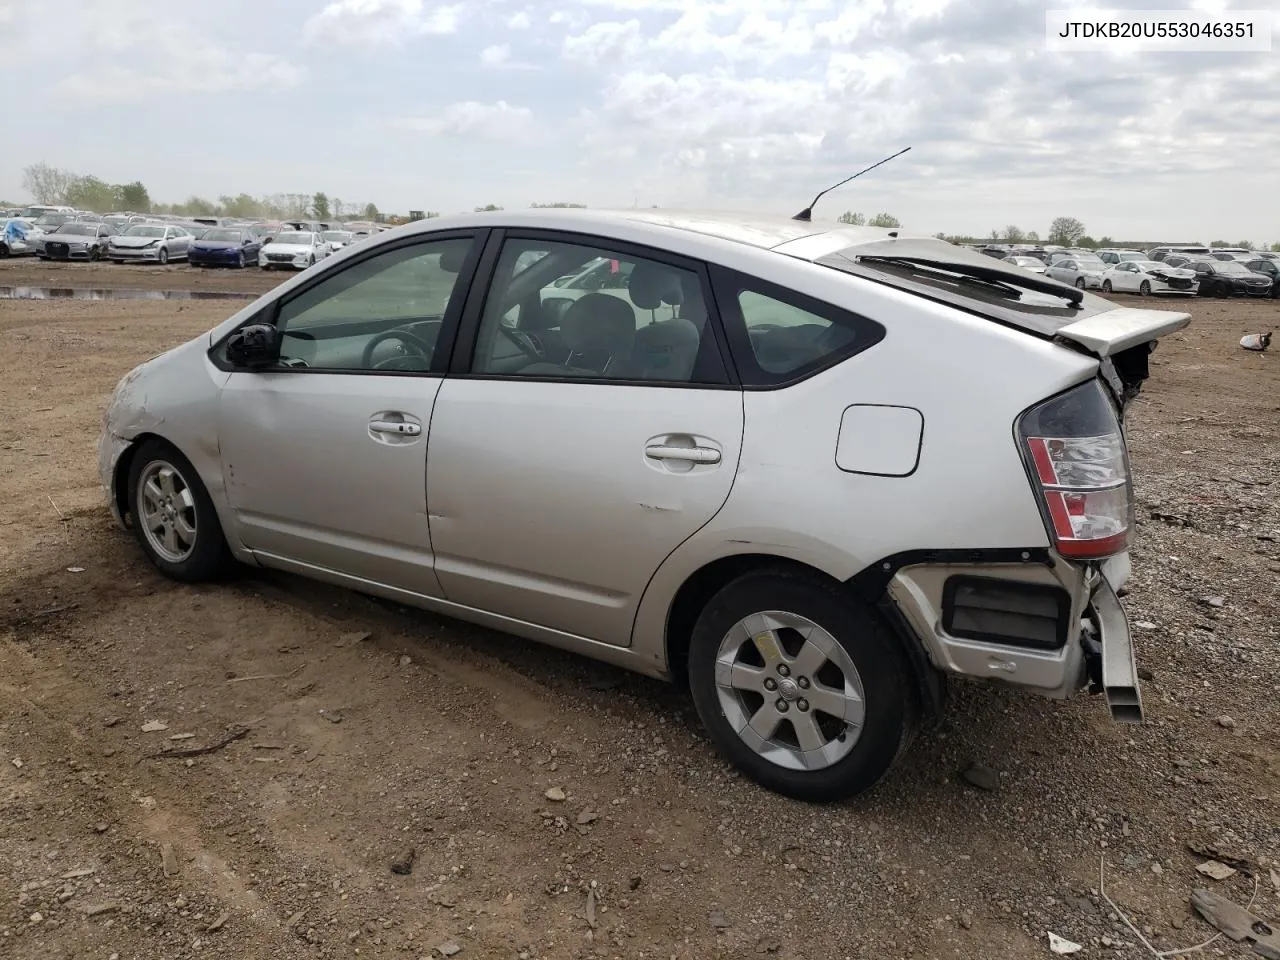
x=800, y=686
x=1145, y=288
x=173, y=516
x=240, y=260
x=163, y=256
x=1079, y=283
x=1106, y=286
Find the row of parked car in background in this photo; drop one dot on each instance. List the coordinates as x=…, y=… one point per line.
x=63, y=233
x=1180, y=270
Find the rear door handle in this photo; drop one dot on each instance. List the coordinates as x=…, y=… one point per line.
x=662, y=451
x=395, y=426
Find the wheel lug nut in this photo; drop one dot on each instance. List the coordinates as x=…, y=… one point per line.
x=802, y=705
x=802, y=683
x=781, y=705
x=770, y=683
x=784, y=670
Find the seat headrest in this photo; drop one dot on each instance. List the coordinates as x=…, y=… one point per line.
x=666, y=350
x=599, y=324
x=652, y=285
x=452, y=256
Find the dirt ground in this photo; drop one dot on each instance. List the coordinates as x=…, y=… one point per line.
x=374, y=730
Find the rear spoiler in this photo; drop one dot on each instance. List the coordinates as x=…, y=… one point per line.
x=1115, y=331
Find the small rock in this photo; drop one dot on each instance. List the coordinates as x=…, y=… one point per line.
x=100, y=828
x=768, y=945
x=1226, y=722
x=719, y=920
x=1157, y=869
x=587, y=816
x=1145, y=673
x=168, y=859
x=1176, y=923
x=110, y=721
x=966, y=920
x=1215, y=602
x=406, y=661
x=449, y=949
x=36, y=917
x=333, y=716
x=98, y=909
x=555, y=794
x=982, y=777
x=154, y=726
x=634, y=882
x=1145, y=625
x=356, y=636
x=219, y=923
x=403, y=864
x=75, y=569
x=1215, y=870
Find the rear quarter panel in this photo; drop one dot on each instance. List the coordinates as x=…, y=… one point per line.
x=968, y=377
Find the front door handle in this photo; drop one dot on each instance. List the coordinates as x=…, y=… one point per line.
x=663, y=451
x=399, y=427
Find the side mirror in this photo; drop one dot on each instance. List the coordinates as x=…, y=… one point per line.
x=254, y=346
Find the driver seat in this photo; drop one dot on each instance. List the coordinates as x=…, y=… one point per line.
x=599, y=331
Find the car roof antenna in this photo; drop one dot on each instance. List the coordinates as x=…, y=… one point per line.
x=807, y=213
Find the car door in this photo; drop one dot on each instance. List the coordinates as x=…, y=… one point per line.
x=324, y=453
x=558, y=481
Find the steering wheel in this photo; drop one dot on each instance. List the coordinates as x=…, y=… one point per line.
x=525, y=343
x=419, y=349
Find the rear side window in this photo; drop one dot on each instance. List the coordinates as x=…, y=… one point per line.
x=779, y=336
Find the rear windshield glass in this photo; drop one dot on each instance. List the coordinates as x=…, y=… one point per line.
x=1000, y=291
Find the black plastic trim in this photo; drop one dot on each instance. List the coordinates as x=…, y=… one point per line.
x=726, y=283
x=1059, y=595
x=872, y=582
x=482, y=283
x=931, y=683
x=269, y=312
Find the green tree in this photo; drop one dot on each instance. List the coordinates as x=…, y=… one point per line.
x=371, y=212
x=198, y=207
x=134, y=197
x=320, y=206
x=1033, y=237
x=90, y=193
x=1106, y=242
x=1065, y=231
x=1275, y=248
x=47, y=184
x=852, y=218
x=487, y=208
x=1014, y=234
x=884, y=220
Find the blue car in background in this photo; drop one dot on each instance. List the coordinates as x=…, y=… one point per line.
x=224, y=247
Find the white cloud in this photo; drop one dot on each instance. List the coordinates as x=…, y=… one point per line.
x=370, y=23
x=496, y=55
x=132, y=56
x=603, y=43
x=471, y=119
x=519, y=21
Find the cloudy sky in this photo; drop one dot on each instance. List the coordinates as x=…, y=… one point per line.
x=731, y=104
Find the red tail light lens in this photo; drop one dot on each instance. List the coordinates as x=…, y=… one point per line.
x=1075, y=453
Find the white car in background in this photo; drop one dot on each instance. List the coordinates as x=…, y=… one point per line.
x=295, y=249
x=337, y=239
x=1034, y=264
x=1082, y=272
x=1146, y=277
x=1119, y=256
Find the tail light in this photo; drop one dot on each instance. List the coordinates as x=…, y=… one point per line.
x=1076, y=456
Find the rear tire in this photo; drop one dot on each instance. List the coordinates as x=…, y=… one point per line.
x=1106, y=286
x=1145, y=288
x=818, y=715
x=163, y=256
x=1079, y=283
x=173, y=516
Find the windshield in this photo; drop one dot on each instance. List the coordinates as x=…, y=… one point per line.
x=53, y=219
x=1232, y=266
x=144, y=232
x=337, y=236
x=78, y=229
x=233, y=235
x=294, y=236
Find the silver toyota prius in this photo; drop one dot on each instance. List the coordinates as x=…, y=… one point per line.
x=810, y=470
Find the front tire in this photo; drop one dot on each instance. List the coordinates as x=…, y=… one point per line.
x=1106, y=286
x=801, y=686
x=163, y=256
x=173, y=516
x=1145, y=288
x=1079, y=283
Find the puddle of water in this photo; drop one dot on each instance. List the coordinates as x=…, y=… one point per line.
x=84, y=293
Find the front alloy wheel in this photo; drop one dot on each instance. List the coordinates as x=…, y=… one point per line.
x=1079, y=283
x=173, y=516
x=1145, y=289
x=801, y=686
x=163, y=256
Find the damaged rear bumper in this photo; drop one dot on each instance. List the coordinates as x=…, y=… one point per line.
x=1048, y=625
